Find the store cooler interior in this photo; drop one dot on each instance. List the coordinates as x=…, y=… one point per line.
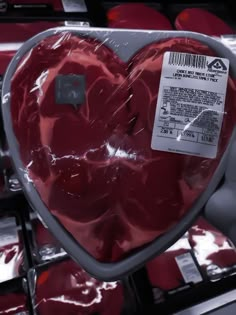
x=36, y=273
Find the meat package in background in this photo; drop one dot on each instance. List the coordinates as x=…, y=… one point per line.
x=13, y=304
x=65, y=288
x=210, y=24
x=173, y=270
x=84, y=127
x=11, y=249
x=20, y=32
x=137, y=16
x=214, y=252
x=46, y=247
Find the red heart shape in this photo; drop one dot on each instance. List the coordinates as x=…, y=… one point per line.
x=93, y=166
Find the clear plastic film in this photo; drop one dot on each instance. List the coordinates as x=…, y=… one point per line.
x=213, y=250
x=11, y=249
x=83, y=114
x=66, y=288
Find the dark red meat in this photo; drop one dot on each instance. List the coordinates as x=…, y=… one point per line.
x=163, y=271
x=46, y=246
x=202, y=21
x=211, y=247
x=74, y=292
x=11, y=250
x=137, y=16
x=93, y=165
x=19, y=32
x=11, y=304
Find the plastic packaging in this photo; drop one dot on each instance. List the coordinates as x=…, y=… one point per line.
x=173, y=271
x=11, y=249
x=13, y=299
x=83, y=127
x=13, y=304
x=210, y=24
x=214, y=252
x=45, y=246
x=64, y=288
x=20, y=32
x=137, y=16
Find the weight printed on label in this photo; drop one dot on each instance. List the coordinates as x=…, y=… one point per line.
x=188, y=268
x=190, y=105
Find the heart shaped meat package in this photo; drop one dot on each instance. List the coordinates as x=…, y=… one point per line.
x=92, y=164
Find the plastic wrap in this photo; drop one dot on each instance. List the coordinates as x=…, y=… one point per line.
x=13, y=299
x=45, y=246
x=88, y=154
x=137, y=16
x=214, y=252
x=19, y=32
x=212, y=25
x=13, y=304
x=11, y=249
x=65, y=288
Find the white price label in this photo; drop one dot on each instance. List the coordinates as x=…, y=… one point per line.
x=188, y=268
x=8, y=231
x=190, y=105
x=74, y=6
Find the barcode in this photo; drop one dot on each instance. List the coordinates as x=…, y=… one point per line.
x=188, y=268
x=189, y=60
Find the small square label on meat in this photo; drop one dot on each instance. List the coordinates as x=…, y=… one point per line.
x=70, y=89
x=190, y=105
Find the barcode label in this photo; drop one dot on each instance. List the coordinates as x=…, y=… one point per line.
x=189, y=60
x=190, y=104
x=188, y=268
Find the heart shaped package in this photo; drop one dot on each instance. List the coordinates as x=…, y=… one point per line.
x=83, y=117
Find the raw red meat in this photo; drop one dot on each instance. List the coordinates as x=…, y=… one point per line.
x=211, y=247
x=46, y=246
x=19, y=32
x=11, y=249
x=93, y=165
x=137, y=16
x=11, y=304
x=76, y=293
x=202, y=21
x=163, y=271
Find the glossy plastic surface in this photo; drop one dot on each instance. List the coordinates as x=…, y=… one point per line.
x=12, y=304
x=66, y=289
x=137, y=16
x=92, y=163
x=109, y=222
x=202, y=21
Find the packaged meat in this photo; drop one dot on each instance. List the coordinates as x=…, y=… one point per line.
x=174, y=270
x=13, y=304
x=212, y=25
x=13, y=297
x=64, y=288
x=11, y=249
x=45, y=246
x=137, y=16
x=85, y=136
x=214, y=252
x=20, y=32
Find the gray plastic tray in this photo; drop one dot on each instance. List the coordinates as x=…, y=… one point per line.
x=125, y=43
